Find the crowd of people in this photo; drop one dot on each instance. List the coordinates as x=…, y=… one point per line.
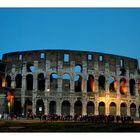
x=76, y=118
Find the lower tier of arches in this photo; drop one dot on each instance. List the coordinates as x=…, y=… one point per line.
x=72, y=107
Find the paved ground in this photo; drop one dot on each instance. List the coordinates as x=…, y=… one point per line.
x=60, y=126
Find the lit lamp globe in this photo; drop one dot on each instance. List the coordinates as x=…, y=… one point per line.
x=3, y=83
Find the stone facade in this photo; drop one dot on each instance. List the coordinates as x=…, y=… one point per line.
x=71, y=82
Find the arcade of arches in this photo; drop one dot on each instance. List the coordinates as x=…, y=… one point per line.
x=77, y=108
x=74, y=84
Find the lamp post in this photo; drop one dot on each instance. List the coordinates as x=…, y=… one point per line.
x=3, y=83
x=40, y=110
x=9, y=101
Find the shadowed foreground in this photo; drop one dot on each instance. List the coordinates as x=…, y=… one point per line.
x=45, y=126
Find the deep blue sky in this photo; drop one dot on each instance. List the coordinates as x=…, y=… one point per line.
x=108, y=30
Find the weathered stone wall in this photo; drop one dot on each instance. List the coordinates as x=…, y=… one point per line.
x=53, y=62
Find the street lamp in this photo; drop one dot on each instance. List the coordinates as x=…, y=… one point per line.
x=48, y=89
x=9, y=100
x=3, y=83
x=40, y=110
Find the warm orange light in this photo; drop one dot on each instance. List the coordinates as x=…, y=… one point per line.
x=82, y=84
x=115, y=84
x=3, y=83
x=91, y=81
x=9, y=97
x=123, y=87
x=139, y=85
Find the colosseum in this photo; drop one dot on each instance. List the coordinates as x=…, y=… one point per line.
x=67, y=82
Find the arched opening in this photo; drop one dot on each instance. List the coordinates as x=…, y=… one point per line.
x=112, y=84
x=8, y=81
x=30, y=67
x=90, y=108
x=101, y=82
x=28, y=107
x=66, y=58
x=29, y=82
x=90, y=84
x=101, y=58
x=101, y=108
x=133, y=110
x=78, y=108
x=78, y=68
x=78, y=83
x=17, y=107
x=52, y=107
x=132, y=87
x=121, y=63
x=42, y=55
x=41, y=82
x=123, y=109
x=18, y=80
x=139, y=87
x=65, y=109
x=112, y=109
x=39, y=107
x=66, y=82
x=122, y=71
x=123, y=88
x=90, y=57
x=20, y=57
x=53, y=81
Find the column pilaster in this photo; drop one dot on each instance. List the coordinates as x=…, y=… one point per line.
x=13, y=84
x=84, y=109
x=96, y=85
x=118, y=87
x=72, y=84
x=72, y=109
x=33, y=104
x=106, y=77
x=96, y=108
x=59, y=82
x=136, y=89
x=23, y=89
x=47, y=85
x=128, y=110
x=107, y=86
x=22, y=102
x=35, y=83
x=118, y=109
x=46, y=107
x=107, y=109
x=85, y=84
x=58, y=107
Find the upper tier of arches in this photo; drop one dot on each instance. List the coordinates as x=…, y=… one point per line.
x=79, y=83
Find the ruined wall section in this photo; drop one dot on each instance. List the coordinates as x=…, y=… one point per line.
x=77, y=56
x=52, y=61
x=110, y=64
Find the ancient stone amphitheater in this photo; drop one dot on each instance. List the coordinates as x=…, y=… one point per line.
x=66, y=82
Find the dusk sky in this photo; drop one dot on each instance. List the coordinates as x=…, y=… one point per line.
x=107, y=30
